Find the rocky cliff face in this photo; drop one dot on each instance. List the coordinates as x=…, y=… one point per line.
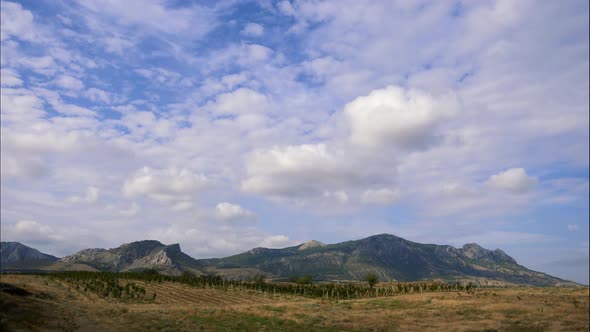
x=311, y=244
x=139, y=255
x=15, y=253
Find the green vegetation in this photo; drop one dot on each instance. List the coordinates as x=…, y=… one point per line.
x=105, y=284
x=120, y=285
x=305, y=280
x=372, y=279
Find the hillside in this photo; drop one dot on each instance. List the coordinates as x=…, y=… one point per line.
x=18, y=255
x=392, y=258
x=134, y=256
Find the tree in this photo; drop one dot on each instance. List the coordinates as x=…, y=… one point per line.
x=305, y=280
x=258, y=278
x=372, y=279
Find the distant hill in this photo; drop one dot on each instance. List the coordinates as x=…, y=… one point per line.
x=15, y=254
x=391, y=257
x=137, y=256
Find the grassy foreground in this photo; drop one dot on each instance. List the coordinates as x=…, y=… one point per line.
x=49, y=304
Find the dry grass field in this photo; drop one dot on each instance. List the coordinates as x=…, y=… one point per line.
x=53, y=305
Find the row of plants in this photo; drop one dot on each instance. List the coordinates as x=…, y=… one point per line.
x=107, y=284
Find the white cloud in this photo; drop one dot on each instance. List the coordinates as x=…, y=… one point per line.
x=155, y=15
x=16, y=22
x=44, y=65
x=339, y=196
x=117, y=45
x=75, y=110
x=382, y=196
x=255, y=53
x=227, y=240
x=22, y=166
x=296, y=171
x=20, y=106
x=397, y=117
x=69, y=83
x=177, y=186
x=241, y=101
x=233, y=213
x=92, y=194
x=30, y=231
x=253, y=30
x=10, y=78
x=286, y=8
x=98, y=95
x=514, y=180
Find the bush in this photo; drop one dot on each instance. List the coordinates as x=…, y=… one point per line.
x=305, y=280
x=372, y=279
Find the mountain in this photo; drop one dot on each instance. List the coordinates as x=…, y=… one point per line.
x=137, y=256
x=17, y=254
x=391, y=257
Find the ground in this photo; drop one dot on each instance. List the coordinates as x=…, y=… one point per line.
x=55, y=306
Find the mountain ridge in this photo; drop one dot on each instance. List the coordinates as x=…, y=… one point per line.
x=389, y=256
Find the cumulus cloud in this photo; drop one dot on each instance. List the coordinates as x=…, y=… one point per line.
x=382, y=196
x=253, y=30
x=514, y=180
x=233, y=213
x=396, y=117
x=302, y=170
x=172, y=185
x=353, y=163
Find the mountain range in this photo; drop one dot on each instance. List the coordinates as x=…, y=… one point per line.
x=390, y=257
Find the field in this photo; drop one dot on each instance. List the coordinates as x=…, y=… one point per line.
x=42, y=303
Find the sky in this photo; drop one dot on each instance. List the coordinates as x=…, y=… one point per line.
x=227, y=125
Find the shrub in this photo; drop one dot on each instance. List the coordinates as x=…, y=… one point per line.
x=372, y=279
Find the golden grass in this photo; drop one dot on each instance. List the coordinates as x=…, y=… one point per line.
x=55, y=306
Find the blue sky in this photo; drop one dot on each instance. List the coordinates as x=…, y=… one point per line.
x=227, y=125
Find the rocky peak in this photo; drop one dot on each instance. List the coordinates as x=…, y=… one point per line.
x=311, y=244
x=258, y=250
x=172, y=249
x=474, y=251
